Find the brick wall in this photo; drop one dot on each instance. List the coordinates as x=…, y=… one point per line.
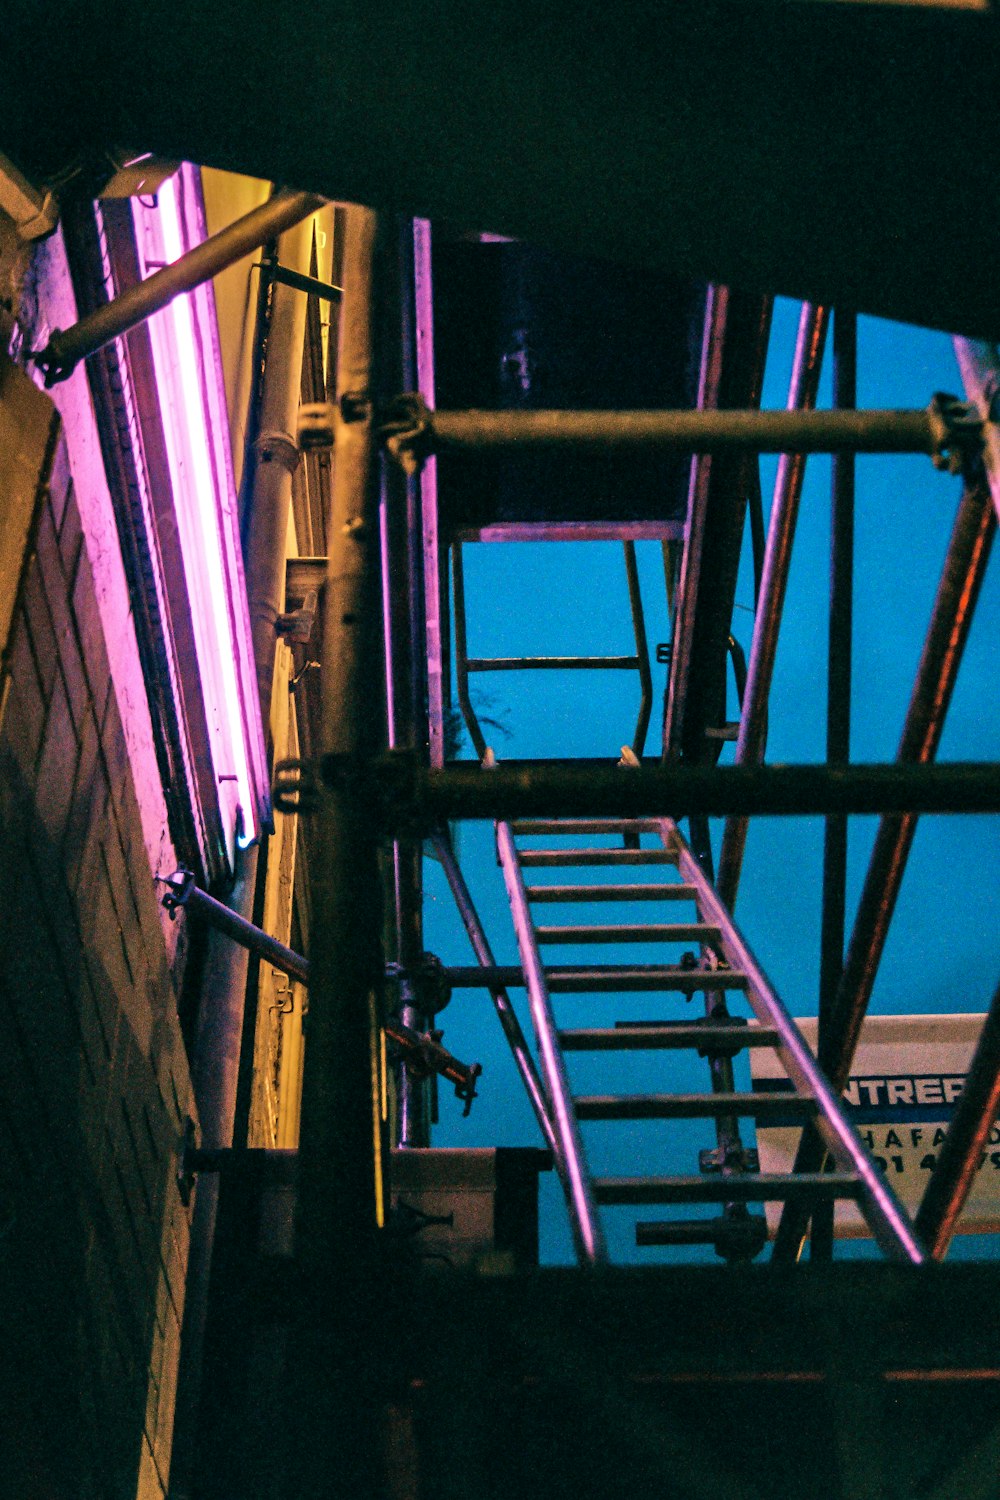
x=95, y=1091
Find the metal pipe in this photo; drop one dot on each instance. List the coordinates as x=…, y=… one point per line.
x=215, y=1076
x=699, y=492
x=227, y=1026
x=979, y=364
x=67, y=347
x=951, y=617
x=774, y=582
x=182, y=892
x=276, y=453
x=412, y=796
x=506, y=1013
x=961, y=1149
x=341, y=1146
x=588, y=1235
x=958, y=591
x=798, y=431
x=402, y=612
x=838, y=712
x=885, y=1214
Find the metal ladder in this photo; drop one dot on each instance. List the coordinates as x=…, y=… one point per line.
x=729, y=966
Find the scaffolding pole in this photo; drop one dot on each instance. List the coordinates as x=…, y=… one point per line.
x=954, y=605
x=338, y=1354
x=399, y=793
x=752, y=430
x=750, y=745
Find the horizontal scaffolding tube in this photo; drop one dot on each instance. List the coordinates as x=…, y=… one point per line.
x=689, y=431
x=414, y=796
x=67, y=347
x=961, y=1149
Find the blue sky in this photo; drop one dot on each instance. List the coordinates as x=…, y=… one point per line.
x=943, y=952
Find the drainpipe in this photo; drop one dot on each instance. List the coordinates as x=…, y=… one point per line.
x=221, y=1026
x=276, y=453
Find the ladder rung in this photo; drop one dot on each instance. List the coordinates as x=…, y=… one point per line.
x=673, y=892
x=531, y=826
x=690, y=1106
x=607, y=979
x=661, y=932
x=551, y=663
x=595, y=857
x=747, y=1187
x=601, y=979
x=639, y=1038
x=612, y=893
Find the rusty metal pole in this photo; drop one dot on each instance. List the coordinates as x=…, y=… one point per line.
x=781, y=531
x=799, y=429
x=954, y=605
x=971, y=1123
x=412, y=797
x=337, y=1354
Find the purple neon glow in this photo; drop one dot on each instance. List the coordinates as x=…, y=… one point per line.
x=189, y=384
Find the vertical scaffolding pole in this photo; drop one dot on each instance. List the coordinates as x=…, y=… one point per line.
x=338, y=1353
x=403, y=650
x=781, y=531
x=838, y=712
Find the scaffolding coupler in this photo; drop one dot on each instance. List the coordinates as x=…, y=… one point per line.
x=422, y=1055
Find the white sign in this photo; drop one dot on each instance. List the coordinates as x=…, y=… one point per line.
x=908, y=1072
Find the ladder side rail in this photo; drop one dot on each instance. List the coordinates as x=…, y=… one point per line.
x=580, y=1198
x=886, y=1216
x=501, y=1000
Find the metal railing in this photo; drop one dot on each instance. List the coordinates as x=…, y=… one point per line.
x=588, y=1236
x=886, y=1216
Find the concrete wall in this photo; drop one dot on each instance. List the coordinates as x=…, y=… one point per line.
x=94, y=1085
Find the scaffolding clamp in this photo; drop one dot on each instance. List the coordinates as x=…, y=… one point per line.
x=405, y=428
x=295, y=787
x=956, y=432
x=422, y=1055
x=317, y=420
x=179, y=887
x=427, y=982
